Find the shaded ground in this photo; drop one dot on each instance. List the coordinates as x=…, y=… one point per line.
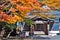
x=45, y=37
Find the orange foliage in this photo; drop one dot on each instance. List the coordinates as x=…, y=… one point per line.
x=12, y=9
x=24, y=6
x=9, y=19
x=54, y=4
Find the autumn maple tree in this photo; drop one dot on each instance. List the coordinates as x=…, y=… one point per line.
x=53, y=4
x=12, y=11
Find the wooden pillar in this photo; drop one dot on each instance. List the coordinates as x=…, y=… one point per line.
x=45, y=28
x=31, y=33
x=51, y=24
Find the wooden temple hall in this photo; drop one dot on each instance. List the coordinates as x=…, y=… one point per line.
x=40, y=24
